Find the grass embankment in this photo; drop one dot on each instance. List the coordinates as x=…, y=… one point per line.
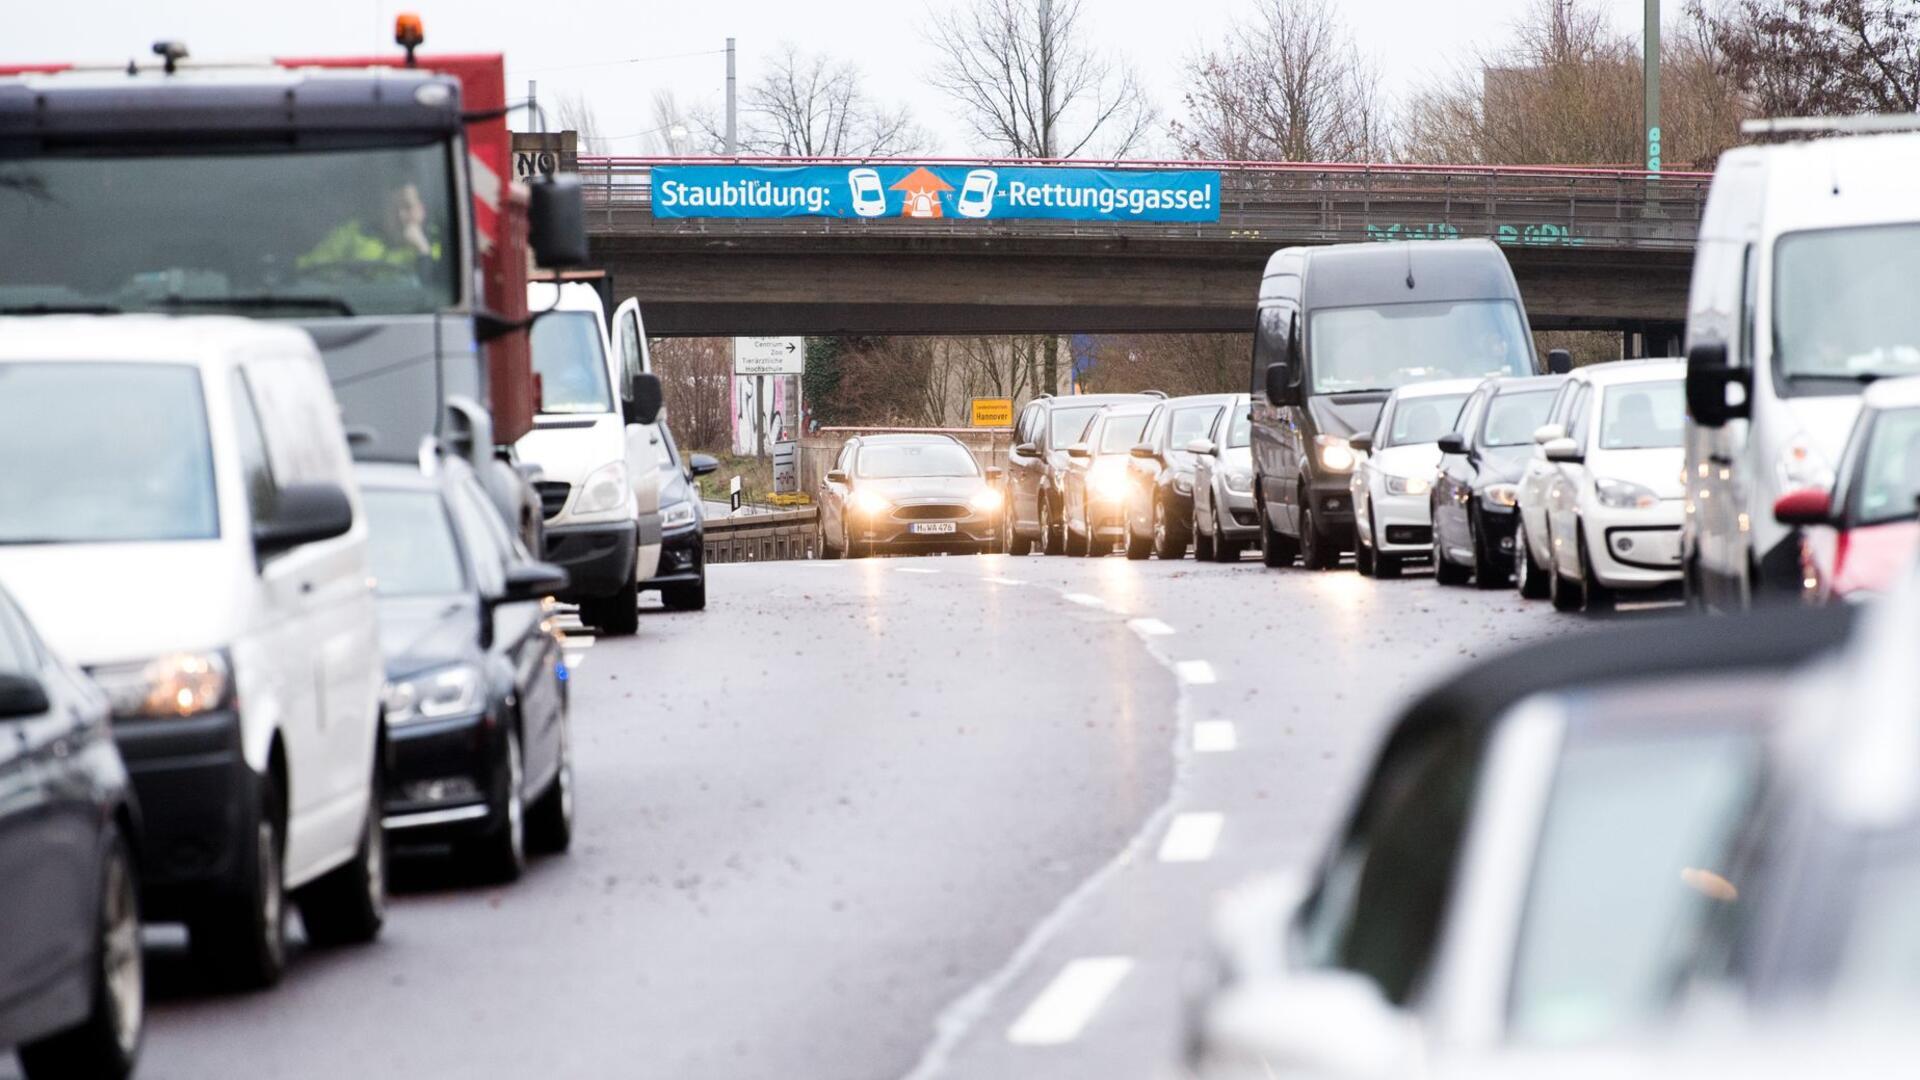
x=756, y=480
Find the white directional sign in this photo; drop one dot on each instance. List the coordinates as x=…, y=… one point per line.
x=769, y=355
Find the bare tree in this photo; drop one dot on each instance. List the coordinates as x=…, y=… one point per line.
x=695, y=378
x=1820, y=57
x=1032, y=86
x=1288, y=85
x=811, y=105
x=575, y=114
x=678, y=130
x=1174, y=363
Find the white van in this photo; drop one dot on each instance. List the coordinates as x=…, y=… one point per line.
x=1803, y=293
x=598, y=447
x=178, y=514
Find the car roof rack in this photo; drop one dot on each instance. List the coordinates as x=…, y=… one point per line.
x=1864, y=123
x=1161, y=394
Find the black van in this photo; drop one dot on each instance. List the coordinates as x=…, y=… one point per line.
x=1339, y=328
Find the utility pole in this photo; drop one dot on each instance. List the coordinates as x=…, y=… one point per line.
x=1650, y=63
x=733, y=109
x=533, y=106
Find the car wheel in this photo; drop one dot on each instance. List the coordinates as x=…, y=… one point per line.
x=1594, y=596
x=1527, y=574
x=1203, y=540
x=1444, y=570
x=1489, y=572
x=1316, y=553
x=1053, y=529
x=1074, y=545
x=107, y=1043
x=1169, y=537
x=348, y=905
x=550, y=818
x=1387, y=566
x=501, y=855
x=687, y=596
x=1011, y=540
x=1363, y=555
x=617, y=615
x=1564, y=594
x=826, y=548
x=1276, y=548
x=241, y=939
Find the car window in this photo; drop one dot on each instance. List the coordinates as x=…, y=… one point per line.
x=1643, y=416
x=1121, y=433
x=489, y=557
x=1579, y=415
x=255, y=469
x=17, y=653
x=1239, y=426
x=884, y=462
x=1424, y=419
x=1190, y=423
x=1271, y=340
x=1513, y=418
x=1070, y=425
x=1889, y=472
x=411, y=549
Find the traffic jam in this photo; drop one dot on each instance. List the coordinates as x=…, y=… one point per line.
x=327, y=441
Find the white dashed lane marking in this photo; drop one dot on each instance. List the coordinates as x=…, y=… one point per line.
x=1214, y=736
x=1063, y=1009
x=1004, y=581
x=1086, y=599
x=913, y=570
x=1191, y=837
x=1150, y=627
x=1194, y=672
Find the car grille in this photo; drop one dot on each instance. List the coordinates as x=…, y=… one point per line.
x=1409, y=534
x=553, y=497
x=930, y=512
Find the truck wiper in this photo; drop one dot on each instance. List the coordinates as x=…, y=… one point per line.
x=60, y=309
x=257, y=300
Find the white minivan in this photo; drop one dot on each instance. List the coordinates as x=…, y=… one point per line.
x=597, y=444
x=178, y=514
x=1803, y=293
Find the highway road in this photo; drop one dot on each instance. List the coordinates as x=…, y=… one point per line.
x=931, y=817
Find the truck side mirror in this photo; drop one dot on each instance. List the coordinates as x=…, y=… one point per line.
x=1709, y=381
x=644, y=399
x=1559, y=361
x=557, y=222
x=1279, y=383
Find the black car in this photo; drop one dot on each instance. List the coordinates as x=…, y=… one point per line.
x=477, y=752
x=682, y=577
x=1476, y=497
x=1160, y=497
x=72, y=998
x=1037, y=467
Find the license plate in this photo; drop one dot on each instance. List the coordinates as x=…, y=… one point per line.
x=932, y=528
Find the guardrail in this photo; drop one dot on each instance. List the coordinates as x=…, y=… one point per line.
x=1522, y=206
x=781, y=535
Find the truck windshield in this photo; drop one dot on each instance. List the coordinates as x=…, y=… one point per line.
x=1381, y=348
x=284, y=233
x=1843, y=304
x=105, y=453
x=569, y=358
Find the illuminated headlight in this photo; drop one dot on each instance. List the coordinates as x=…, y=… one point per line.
x=1802, y=465
x=677, y=515
x=1408, y=485
x=987, y=500
x=176, y=685
x=1504, y=495
x=1335, y=454
x=1240, y=481
x=1108, y=480
x=448, y=691
x=870, y=502
x=605, y=489
x=1621, y=495
x=1183, y=484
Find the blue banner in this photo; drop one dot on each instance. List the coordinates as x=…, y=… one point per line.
x=982, y=192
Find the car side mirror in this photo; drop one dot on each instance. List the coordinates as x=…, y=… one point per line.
x=1279, y=383
x=1080, y=452
x=1563, y=450
x=21, y=696
x=703, y=464
x=557, y=222
x=1711, y=398
x=1026, y=449
x=303, y=514
x=1453, y=443
x=1201, y=447
x=1145, y=451
x=836, y=476
x=1559, y=361
x=534, y=581
x=1808, y=506
x=645, y=397
x=1546, y=433
x=1361, y=443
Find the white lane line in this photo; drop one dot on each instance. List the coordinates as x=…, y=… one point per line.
x=1086, y=599
x=913, y=570
x=1004, y=581
x=1215, y=736
x=1150, y=627
x=1062, y=1010
x=1194, y=672
x=1192, y=837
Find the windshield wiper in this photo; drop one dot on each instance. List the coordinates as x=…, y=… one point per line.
x=256, y=301
x=60, y=309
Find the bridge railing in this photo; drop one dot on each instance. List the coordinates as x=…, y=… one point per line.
x=1531, y=206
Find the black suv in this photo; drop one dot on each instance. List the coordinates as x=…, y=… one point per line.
x=1037, y=465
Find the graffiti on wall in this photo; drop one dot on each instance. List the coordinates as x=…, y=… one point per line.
x=1542, y=235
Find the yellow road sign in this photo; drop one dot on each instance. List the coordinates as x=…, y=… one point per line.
x=992, y=412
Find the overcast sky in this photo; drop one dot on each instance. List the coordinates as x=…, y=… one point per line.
x=580, y=45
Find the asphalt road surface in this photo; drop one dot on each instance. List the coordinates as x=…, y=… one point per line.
x=930, y=817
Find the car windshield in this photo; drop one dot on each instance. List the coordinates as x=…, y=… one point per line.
x=104, y=452
x=312, y=233
x=1121, y=433
x=1643, y=416
x=1240, y=431
x=570, y=358
x=1843, y=303
x=1070, y=424
x=915, y=459
x=1381, y=348
x=1890, y=472
x=411, y=549
x=1513, y=418
x=1191, y=423
x=1636, y=834
x=1424, y=419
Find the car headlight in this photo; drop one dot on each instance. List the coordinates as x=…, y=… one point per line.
x=677, y=515
x=1336, y=455
x=1183, y=484
x=870, y=502
x=1240, y=481
x=987, y=500
x=1408, y=485
x=1502, y=495
x=1622, y=495
x=1108, y=480
x=175, y=685
x=606, y=489
x=1802, y=465
x=448, y=691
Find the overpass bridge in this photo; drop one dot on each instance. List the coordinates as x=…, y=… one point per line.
x=1592, y=249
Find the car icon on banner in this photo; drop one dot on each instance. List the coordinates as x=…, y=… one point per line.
x=976, y=195
x=869, y=197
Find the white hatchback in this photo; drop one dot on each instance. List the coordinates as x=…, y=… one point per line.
x=1392, y=512
x=179, y=515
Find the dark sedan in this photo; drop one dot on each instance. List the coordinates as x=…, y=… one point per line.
x=72, y=997
x=908, y=494
x=1160, y=496
x=1476, y=497
x=476, y=714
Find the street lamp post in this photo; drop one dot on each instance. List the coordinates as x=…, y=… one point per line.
x=1650, y=63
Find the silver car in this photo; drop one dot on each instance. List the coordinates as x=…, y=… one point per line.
x=1224, y=519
